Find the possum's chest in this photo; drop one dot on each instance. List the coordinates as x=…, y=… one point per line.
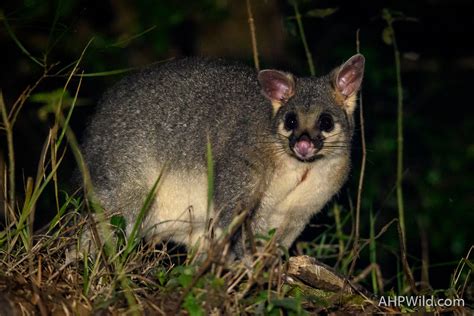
x=296, y=192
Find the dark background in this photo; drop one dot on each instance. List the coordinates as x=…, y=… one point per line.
x=437, y=72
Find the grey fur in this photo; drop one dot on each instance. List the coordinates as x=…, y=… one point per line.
x=167, y=113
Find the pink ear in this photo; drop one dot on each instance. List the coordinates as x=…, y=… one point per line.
x=349, y=76
x=276, y=85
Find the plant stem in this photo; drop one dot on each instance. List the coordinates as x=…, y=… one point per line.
x=309, y=57
x=387, y=16
x=362, y=170
x=340, y=236
x=11, y=154
x=400, y=203
x=401, y=210
x=253, y=35
x=373, y=253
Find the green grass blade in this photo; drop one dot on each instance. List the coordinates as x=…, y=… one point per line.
x=124, y=42
x=17, y=41
x=107, y=73
x=59, y=215
x=373, y=252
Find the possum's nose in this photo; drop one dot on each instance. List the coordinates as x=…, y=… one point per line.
x=304, y=147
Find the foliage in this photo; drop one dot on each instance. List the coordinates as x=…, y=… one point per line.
x=66, y=52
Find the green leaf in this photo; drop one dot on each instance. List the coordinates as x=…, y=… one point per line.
x=288, y=304
x=192, y=306
x=162, y=276
x=387, y=36
x=271, y=232
x=51, y=101
x=321, y=13
x=217, y=283
x=186, y=276
x=118, y=222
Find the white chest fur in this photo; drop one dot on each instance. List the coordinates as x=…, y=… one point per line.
x=297, y=191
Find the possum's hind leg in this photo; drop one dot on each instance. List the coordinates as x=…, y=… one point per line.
x=123, y=201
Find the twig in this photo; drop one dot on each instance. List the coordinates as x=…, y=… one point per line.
x=406, y=267
x=218, y=249
x=373, y=267
x=11, y=154
x=361, y=176
x=18, y=43
x=309, y=57
x=339, y=233
x=425, y=257
x=35, y=284
x=401, y=212
x=253, y=35
x=20, y=101
x=400, y=203
x=465, y=260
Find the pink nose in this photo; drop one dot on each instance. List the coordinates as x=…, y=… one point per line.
x=303, y=147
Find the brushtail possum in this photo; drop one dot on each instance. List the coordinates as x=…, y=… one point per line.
x=280, y=147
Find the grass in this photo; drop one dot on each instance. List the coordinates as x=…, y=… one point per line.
x=133, y=277
x=41, y=274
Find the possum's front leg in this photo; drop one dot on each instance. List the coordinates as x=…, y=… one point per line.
x=238, y=190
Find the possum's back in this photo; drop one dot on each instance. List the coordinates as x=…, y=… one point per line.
x=166, y=113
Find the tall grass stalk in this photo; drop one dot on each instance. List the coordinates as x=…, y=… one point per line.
x=134, y=235
x=110, y=251
x=360, y=186
x=396, y=54
x=339, y=233
x=11, y=155
x=467, y=263
x=18, y=42
x=253, y=35
x=299, y=22
x=373, y=253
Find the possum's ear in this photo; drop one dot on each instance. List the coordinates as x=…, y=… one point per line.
x=277, y=86
x=347, y=80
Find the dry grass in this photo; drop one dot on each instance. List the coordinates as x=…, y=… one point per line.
x=40, y=274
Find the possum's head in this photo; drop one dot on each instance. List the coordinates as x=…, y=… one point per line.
x=313, y=117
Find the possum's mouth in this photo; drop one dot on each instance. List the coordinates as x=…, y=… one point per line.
x=306, y=150
x=309, y=159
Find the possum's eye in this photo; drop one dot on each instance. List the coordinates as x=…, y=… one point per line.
x=326, y=123
x=291, y=122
